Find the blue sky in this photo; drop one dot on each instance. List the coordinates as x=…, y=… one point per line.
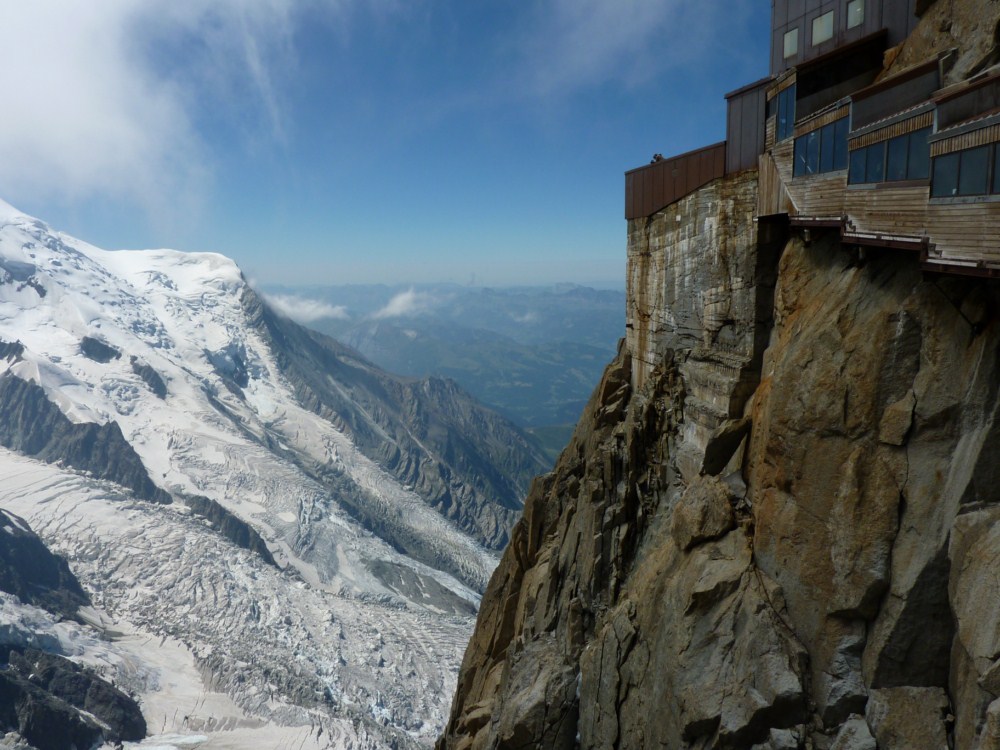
x=342, y=141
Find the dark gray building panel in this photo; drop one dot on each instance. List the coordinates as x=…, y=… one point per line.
x=745, y=126
x=974, y=100
x=895, y=94
x=896, y=16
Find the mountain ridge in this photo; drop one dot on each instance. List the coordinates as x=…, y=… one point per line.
x=319, y=531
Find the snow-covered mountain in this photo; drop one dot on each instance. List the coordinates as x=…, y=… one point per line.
x=280, y=541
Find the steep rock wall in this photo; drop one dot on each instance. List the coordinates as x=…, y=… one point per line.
x=776, y=526
x=701, y=283
x=835, y=591
x=871, y=473
x=31, y=424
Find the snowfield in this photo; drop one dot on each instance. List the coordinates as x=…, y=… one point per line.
x=346, y=642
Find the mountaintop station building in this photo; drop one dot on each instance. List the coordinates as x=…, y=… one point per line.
x=909, y=160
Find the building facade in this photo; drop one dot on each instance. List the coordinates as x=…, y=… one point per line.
x=907, y=159
x=802, y=30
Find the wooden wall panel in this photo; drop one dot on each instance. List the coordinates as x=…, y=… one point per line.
x=975, y=138
x=653, y=187
x=965, y=231
x=772, y=197
x=820, y=194
x=812, y=195
x=902, y=127
x=815, y=123
x=888, y=210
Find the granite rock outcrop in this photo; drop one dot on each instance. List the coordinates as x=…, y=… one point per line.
x=776, y=526
x=830, y=587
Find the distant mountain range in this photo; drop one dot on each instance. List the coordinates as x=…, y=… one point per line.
x=278, y=540
x=532, y=353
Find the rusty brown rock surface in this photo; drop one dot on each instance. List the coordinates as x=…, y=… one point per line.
x=854, y=575
x=969, y=27
x=828, y=578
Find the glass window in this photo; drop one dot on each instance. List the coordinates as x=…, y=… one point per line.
x=895, y=168
x=807, y=154
x=786, y=113
x=918, y=162
x=996, y=169
x=945, y=182
x=782, y=116
x=812, y=152
x=799, y=159
x=857, y=170
x=822, y=28
x=972, y=172
x=826, y=140
x=840, y=128
x=875, y=166
x=855, y=13
x=791, y=43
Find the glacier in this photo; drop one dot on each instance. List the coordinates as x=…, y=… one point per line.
x=351, y=634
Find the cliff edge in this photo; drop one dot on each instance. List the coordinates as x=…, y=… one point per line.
x=776, y=524
x=844, y=570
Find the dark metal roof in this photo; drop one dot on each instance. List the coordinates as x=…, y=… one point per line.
x=653, y=187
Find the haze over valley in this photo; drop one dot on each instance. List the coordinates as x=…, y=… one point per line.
x=534, y=354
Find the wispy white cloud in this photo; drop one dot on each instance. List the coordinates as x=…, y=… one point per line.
x=104, y=99
x=572, y=44
x=406, y=304
x=306, y=310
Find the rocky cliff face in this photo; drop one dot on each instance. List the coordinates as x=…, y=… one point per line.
x=832, y=588
x=31, y=424
x=776, y=526
x=29, y=571
x=45, y=698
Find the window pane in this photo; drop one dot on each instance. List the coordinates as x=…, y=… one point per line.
x=782, y=116
x=996, y=169
x=918, y=162
x=789, y=111
x=945, y=183
x=855, y=13
x=896, y=163
x=973, y=171
x=875, y=168
x=857, y=173
x=822, y=28
x=786, y=113
x=826, y=148
x=840, y=143
x=812, y=152
x=791, y=43
x=800, y=157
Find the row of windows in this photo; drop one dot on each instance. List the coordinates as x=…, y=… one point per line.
x=974, y=171
x=822, y=150
x=905, y=157
x=822, y=27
